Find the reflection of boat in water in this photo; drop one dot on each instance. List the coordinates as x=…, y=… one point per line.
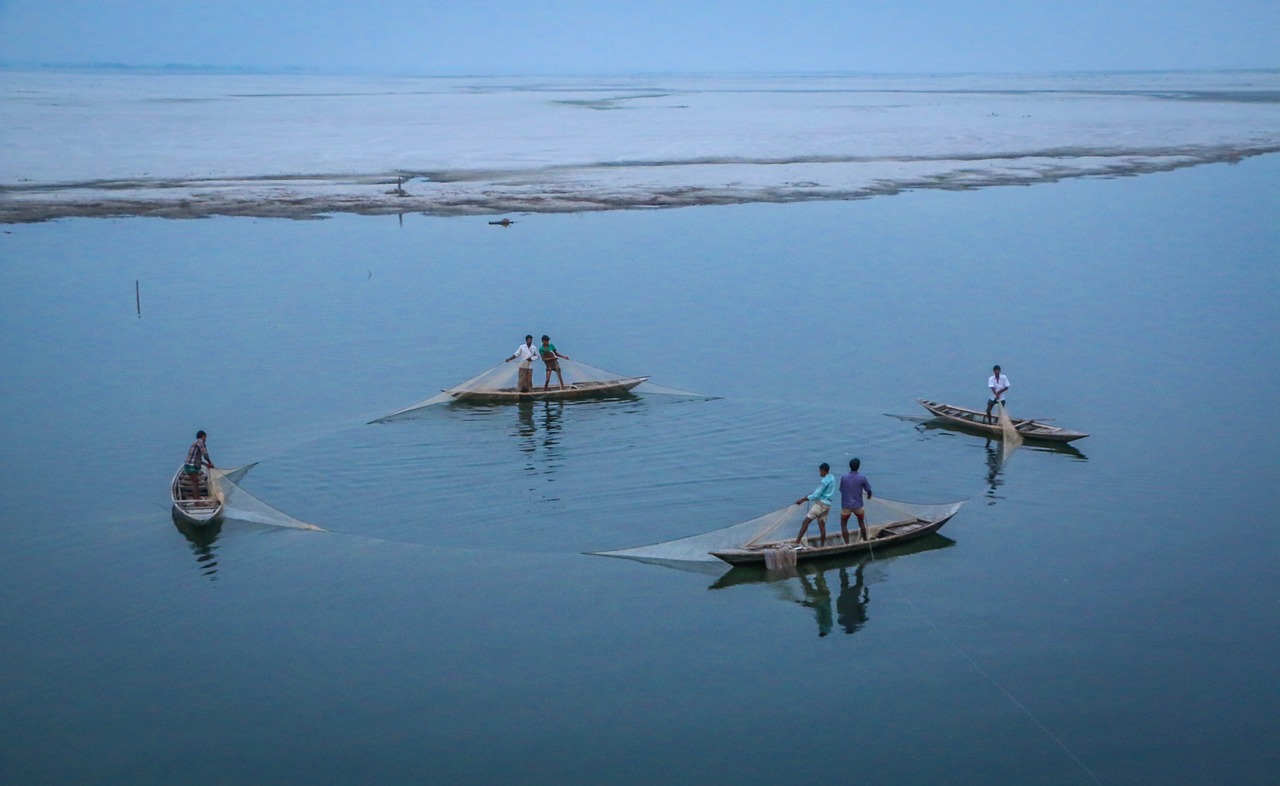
x=575, y=390
x=852, y=593
x=882, y=536
x=926, y=424
x=200, y=505
x=975, y=421
x=202, y=538
x=757, y=574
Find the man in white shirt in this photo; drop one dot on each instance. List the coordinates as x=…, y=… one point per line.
x=525, y=353
x=998, y=383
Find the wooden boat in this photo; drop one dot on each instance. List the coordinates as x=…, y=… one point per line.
x=601, y=389
x=975, y=421
x=205, y=508
x=886, y=535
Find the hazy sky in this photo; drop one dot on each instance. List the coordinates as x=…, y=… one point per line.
x=603, y=36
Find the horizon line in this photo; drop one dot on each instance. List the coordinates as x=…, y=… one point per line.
x=253, y=70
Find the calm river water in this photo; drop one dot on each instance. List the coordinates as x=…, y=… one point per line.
x=1100, y=614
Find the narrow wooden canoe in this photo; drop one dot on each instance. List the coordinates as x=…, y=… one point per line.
x=203, y=509
x=975, y=421
x=576, y=390
x=886, y=535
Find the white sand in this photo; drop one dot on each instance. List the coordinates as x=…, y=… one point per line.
x=191, y=145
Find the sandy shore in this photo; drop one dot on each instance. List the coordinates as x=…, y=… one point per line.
x=81, y=145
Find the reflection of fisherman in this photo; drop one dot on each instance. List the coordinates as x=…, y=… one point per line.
x=525, y=427
x=818, y=598
x=851, y=606
x=821, y=499
x=551, y=414
x=994, y=463
x=525, y=353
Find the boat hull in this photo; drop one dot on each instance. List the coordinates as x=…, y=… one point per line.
x=198, y=511
x=888, y=535
x=971, y=420
x=578, y=390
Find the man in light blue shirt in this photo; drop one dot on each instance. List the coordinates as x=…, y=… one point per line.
x=821, y=499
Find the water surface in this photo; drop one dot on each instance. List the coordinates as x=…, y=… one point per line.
x=1103, y=614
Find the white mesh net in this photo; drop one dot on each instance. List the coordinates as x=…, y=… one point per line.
x=1010, y=437
x=241, y=505
x=779, y=526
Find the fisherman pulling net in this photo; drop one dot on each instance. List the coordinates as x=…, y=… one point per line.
x=777, y=527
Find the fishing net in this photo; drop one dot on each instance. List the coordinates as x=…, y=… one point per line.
x=241, y=505
x=501, y=380
x=779, y=559
x=1011, y=439
x=779, y=526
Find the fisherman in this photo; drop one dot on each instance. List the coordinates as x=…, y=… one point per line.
x=552, y=358
x=821, y=499
x=998, y=383
x=197, y=457
x=525, y=353
x=852, y=484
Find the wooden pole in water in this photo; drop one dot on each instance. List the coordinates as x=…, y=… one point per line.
x=137, y=297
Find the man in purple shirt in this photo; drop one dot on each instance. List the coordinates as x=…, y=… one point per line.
x=852, y=484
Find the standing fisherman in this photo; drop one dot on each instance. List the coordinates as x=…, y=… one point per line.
x=821, y=499
x=525, y=353
x=552, y=358
x=197, y=458
x=852, y=484
x=998, y=383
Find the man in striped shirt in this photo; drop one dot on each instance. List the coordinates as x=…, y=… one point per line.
x=197, y=457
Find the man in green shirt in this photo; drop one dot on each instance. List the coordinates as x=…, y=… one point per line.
x=552, y=359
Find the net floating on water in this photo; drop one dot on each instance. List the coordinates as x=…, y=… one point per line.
x=241, y=505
